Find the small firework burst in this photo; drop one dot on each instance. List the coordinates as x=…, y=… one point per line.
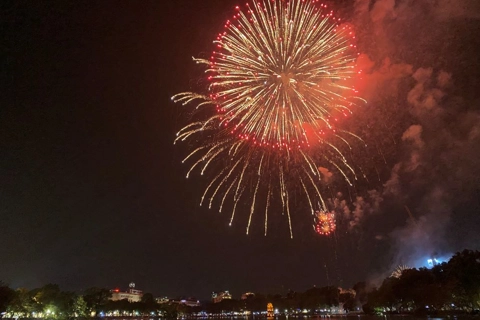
x=325, y=223
x=397, y=273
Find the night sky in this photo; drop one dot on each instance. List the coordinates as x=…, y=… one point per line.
x=93, y=192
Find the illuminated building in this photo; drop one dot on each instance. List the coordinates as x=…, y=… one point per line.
x=162, y=300
x=270, y=312
x=350, y=291
x=132, y=295
x=219, y=296
x=247, y=295
x=189, y=302
x=433, y=262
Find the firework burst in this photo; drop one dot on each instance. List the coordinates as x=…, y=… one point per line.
x=278, y=84
x=325, y=223
x=397, y=273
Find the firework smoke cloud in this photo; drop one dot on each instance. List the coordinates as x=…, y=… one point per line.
x=420, y=76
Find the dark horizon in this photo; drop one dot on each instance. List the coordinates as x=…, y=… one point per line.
x=93, y=191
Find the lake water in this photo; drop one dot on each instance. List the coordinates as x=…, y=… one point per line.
x=326, y=317
x=361, y=317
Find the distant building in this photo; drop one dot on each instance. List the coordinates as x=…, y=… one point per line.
x=270, y=311
x=247, y=295
x=219, y=296
x=132, y=295
x=162, y=300
x=342, y=291
x=189, y=302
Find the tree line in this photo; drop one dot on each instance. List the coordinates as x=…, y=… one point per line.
x=452, y=286
x=52, y=303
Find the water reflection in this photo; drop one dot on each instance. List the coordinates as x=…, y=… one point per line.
x=316, y=317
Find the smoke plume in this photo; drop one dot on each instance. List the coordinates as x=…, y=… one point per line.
x=419, y=66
